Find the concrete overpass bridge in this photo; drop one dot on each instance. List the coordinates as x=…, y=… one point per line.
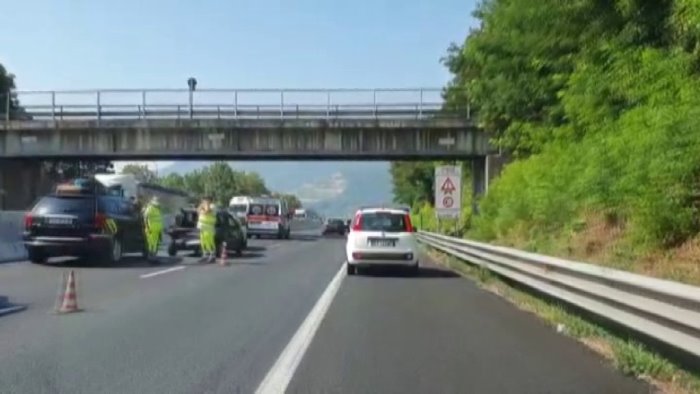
x=242, y=124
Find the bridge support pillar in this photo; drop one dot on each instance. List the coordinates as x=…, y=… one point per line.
x=484, y=170
x=21, y=182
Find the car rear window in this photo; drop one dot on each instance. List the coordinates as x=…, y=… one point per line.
x=272, y=210
x=82, y=207
x=256, y=209
x=383, y=221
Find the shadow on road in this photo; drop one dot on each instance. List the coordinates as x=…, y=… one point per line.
x=255, y=248
x=407, y=272
x=6, y=307
x=302, y=237
x=126, y=262
x=247, y=254
x=237, y=261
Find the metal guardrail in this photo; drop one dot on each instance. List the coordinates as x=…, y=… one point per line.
x=665, y=311
x=128, y=104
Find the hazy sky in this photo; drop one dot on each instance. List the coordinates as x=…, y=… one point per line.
x=85, y=44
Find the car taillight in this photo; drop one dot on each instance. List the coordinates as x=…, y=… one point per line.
x=28, y=221
x=409, y=225
x=357, y=225
x=100, y=220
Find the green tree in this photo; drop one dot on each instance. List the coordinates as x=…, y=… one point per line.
x=220, y=182
x=292, y=201
x=173, y=181
x=413, y=182
x=252, y=184
x=141, y=172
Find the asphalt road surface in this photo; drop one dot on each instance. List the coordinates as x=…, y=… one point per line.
x=283, y=316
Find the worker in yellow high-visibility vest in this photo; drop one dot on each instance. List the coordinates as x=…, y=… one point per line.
x=206, y=224
x=153, y=226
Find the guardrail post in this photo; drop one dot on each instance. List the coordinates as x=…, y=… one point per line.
x=420, y=105
x=218, y=112
x=143, y=103
x=53, y=105
x=297, y=111
x=178, y=112
x=328, y=104
x=99, y=108
x=374, y=103
x=469, y=110
x=282, y=104
x=235, y=104
x=191, y=104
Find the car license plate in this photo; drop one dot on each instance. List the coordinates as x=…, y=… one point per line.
x=60, y=221
x=382, y=243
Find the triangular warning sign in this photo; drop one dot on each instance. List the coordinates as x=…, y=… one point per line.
x=447, y=187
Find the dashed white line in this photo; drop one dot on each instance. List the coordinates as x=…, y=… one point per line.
x=281, y=373
x=165, y=271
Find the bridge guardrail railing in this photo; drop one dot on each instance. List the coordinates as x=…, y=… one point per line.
x=665, y=311
x=418, y=103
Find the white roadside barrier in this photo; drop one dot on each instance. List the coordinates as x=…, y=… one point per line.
x=666, y=312
x=11, y=226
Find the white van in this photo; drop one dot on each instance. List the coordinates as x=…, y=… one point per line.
x=268, y=216
x=239, y=206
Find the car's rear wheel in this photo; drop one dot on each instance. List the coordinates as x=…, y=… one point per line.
x=351, y=269
x=36, y=256
x=415, y=269
x=172, y=250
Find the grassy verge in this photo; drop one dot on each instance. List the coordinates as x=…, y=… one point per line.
x=628, y=356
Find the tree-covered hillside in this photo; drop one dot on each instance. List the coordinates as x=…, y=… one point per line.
x=598, y=101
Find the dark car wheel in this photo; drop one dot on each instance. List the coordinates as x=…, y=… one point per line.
x=172, y=250
x=36, y=256
x=351, y=269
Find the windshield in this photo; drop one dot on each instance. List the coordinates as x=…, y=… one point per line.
x=382, y=221
x=239, y=208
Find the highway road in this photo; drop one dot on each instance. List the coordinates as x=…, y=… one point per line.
x=282, y=316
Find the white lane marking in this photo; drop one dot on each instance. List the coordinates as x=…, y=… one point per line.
x=165, y=271
x=275, y=245
x=281, y=373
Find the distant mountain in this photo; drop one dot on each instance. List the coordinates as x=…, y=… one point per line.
x=333, y=188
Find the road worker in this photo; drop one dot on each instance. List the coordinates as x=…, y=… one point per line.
x=206, y=224
x=153, y=226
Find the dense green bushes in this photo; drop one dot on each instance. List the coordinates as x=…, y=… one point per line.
x=599, y=101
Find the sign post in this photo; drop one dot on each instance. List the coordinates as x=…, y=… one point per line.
x=448, y=191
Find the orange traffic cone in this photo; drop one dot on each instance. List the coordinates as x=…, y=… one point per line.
x=70, y=297
x=224, y=255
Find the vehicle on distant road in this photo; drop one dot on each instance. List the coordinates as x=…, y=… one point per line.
x=184, y=234
x=335, y=226
x=269, y=216
x=82, y=219
x=381, y=236
x=239, y=206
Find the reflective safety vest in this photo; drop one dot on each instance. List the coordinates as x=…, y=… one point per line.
x=206, y=221
x=152, y=216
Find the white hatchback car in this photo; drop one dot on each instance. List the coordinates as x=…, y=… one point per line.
x=381, y=236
